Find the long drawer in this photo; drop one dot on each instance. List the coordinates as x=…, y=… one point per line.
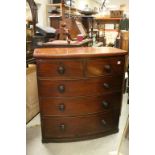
x=84, y=87
x=80, y=105
x=60, y=68
x=105, y=66
x=61, y=127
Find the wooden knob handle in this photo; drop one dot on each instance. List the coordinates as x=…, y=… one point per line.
x=103, y=122
x=61, y=88
x=61, y=70
x=105, y=104
x=106, y=85
x=62, y=127
x=61, y=107
x=107, y=68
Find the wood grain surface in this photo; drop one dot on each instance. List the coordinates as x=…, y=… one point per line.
x=77, y=52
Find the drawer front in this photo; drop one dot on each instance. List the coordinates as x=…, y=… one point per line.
x=84, y=87
x=61, y=127
x=60, y=68
x=80, y=106
x=105, y=66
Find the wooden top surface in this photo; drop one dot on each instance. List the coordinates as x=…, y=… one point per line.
x=77, y=52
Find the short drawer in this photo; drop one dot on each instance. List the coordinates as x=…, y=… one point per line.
x=80, y=106
x=105, y=66
x=61, y=127
x=60, y=68
x=83, y=87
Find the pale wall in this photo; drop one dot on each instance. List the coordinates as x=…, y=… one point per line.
x=80, y=4
x=97, y=3
x=120, y=2
x=42, y=11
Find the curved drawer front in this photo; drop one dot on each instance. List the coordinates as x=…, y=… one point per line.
x=80, y=106
x=60, y=68
x=72, y=88
x=105, y=66
x=57, y=127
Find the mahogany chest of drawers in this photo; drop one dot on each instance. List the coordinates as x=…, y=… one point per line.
x=80, y=91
